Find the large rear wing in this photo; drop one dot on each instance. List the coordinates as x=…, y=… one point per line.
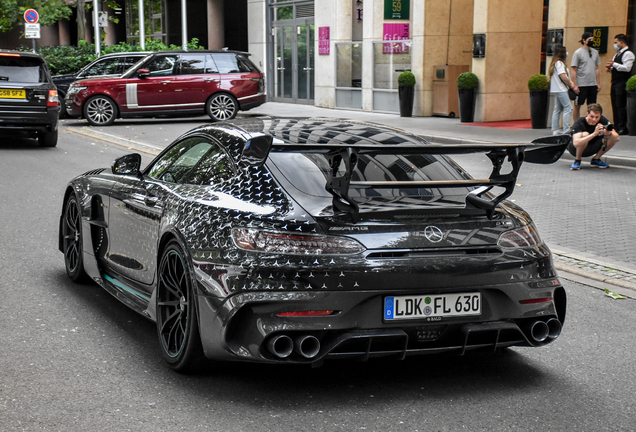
x=545, y=150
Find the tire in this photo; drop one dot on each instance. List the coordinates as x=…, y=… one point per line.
x=100, y=111
x=222, y=106
x=177, y=324
x=47, y=139
x=72, y=241
x=63, y=112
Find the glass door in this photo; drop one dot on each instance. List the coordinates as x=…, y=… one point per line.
x=284, y=64
x=305, y=61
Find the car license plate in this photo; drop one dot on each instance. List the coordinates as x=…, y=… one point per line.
x=12, y=94
x=425, y=306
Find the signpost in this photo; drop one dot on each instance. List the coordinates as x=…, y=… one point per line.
x=31, y=26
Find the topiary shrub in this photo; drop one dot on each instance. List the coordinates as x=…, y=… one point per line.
x=467, y=80
x=406, y=79
x=631, y=84
x=538, y=82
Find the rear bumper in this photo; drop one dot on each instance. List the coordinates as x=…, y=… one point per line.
x=30, y=120
x=252, y=101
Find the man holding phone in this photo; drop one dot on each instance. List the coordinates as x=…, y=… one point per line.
x=592, y=134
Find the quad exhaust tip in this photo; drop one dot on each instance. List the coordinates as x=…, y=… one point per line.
x=282, y=346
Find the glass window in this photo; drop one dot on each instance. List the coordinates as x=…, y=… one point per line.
x=214, y=168
x=349, y=65
x=174, y=165
x=192, y=64
x=162, y=65
x=104, y=67
x=390, y=59
x=229, y=63
x=21, y=69
x=210, y=65
x=126, y=63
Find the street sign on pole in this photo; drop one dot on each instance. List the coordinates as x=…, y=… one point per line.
x=31, y=16
x=32, y=31
x=103, y=19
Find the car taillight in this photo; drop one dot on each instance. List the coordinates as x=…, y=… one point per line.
x=526, y=236
x=288, y=243
x=261, y=84
x=9, y=55
x=52, y=99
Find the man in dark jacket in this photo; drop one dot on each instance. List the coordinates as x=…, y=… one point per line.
x=621, y=69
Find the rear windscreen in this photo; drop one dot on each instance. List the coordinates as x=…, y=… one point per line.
x=308, y=172
x=21, y=69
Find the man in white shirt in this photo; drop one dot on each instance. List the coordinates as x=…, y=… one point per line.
x=620, y=67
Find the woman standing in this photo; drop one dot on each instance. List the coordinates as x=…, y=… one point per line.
x=559, y=78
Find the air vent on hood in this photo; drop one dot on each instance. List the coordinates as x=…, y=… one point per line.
x=94, y=172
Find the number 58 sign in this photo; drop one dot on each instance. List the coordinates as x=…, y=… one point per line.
x=397, y=9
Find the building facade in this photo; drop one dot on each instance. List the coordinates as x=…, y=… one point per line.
x=335, y=54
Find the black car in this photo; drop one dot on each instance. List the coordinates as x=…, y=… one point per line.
x=295, y=241
x=28, y=97
x=111, y=65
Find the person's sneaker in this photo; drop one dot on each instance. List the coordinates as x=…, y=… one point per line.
x=576, y=165
x=597, y=163
x=556, y=132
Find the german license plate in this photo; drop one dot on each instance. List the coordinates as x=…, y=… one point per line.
x=425, y=306
x=12, y=94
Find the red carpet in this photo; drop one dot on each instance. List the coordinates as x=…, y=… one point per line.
x=512, y=124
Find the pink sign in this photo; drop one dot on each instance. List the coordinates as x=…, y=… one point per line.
x=323, y=40
x=395, y=32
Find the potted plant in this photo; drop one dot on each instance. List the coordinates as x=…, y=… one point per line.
x=631, y=105
x=406, y=91
x=467, y=84
x=539, y=85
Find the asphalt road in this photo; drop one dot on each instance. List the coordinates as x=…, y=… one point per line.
x=72, y=358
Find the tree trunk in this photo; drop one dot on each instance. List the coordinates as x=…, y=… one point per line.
x=81, y=20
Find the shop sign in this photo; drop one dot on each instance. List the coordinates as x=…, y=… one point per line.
x=600, y=38
x=323, y=40
x=397, y=9
x=395, y=32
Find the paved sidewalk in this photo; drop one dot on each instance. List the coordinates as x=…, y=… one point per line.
x=586, y=217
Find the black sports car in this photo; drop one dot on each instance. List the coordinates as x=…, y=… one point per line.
x=290, y=240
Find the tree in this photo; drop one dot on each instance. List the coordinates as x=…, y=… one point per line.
x=50, y=11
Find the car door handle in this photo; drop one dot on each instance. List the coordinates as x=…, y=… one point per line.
x=165, y=82
x=151, y=200
x=210, y=80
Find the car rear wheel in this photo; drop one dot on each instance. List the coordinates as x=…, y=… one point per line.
x=222, y=107
x=62, y=106
x=72, y=240
x=100, y=111
x=177, y=324
x=47, y=139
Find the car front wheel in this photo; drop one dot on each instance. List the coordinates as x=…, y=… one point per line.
x=177, y=324
x=100, y=111
x=222, y=107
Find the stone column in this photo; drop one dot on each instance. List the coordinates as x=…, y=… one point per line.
x=513, y=55
x=216, y=28
x=64, y=32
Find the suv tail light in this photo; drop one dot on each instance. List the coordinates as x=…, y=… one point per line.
x=288, y=243
x=52, y=100
x=526, y=236
x=261, y=84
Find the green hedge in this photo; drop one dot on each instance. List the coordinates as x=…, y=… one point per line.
x=406, y=78
x=538, y=82
x=70, y=59
x=631, y=84
x=467, y=80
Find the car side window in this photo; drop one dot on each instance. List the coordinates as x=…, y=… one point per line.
x=105, y=67
x=175, y=165
x=191, y=64
x=210, y=65
x=126, y=63
x=228, y=63
x=216, y=166
x=163, y=65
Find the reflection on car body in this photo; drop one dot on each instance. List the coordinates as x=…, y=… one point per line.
x=296, y=241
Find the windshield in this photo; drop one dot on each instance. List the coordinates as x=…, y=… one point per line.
x=22, y=70
x=308, y=172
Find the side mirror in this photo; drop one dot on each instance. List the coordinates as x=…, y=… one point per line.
x=143, y=73
x=127, y=165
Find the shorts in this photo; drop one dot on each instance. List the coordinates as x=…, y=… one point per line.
x=586, y=94
x=592, y=148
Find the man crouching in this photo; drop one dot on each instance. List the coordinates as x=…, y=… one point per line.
x=592, y=134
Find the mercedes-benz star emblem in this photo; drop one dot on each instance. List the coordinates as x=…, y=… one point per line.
x=433, y=234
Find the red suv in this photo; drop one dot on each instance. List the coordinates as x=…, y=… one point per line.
x=219, y=83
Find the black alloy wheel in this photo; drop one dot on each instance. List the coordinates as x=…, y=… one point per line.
x=221, y=107
x=100, y=111
x=62, y=103
x=72, y=240
x=177, y=324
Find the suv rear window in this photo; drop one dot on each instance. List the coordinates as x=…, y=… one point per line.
x=308, y=172
x=22, y=69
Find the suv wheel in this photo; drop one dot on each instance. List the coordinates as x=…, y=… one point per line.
x=100, y=111
x=47, y=139
x=222, y=107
